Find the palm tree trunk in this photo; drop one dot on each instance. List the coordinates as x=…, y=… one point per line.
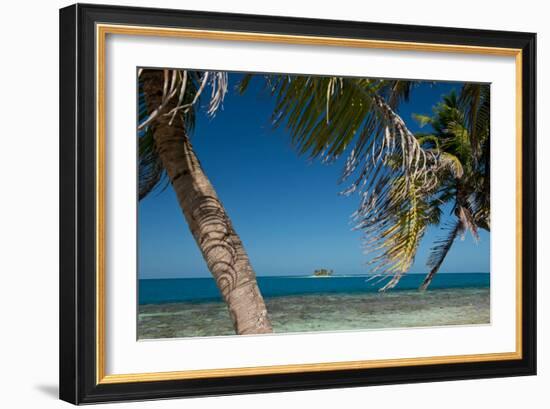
x=441, y=256
x=428, y=279
x=208, y=221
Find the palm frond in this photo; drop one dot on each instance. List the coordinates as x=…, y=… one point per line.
x=399, y=91
x=394, y=240
x=218, y=85
x=243, y=84
x=422, y=120
x=481, y=200
x=151, y=172
x=464, y=214
x=452, y=163
x=475, y=102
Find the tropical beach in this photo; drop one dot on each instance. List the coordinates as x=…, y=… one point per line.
x=278, y=203
x=315, y=304
x=324, y=312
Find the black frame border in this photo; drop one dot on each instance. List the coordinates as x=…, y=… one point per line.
x=78, y=197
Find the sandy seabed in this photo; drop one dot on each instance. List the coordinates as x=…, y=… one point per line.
x=324, y=312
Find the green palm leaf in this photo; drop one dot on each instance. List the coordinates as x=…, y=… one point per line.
x=396, y=239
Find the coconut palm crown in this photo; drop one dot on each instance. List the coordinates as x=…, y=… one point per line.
x=460, y=136
x=461, y=128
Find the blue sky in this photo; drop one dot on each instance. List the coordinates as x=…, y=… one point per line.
x=286, y=209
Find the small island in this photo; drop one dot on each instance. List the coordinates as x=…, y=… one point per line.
x=323, y=272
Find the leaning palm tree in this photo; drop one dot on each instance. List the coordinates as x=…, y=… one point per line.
x=461, y=131
x=167, y=103
x=460, y=138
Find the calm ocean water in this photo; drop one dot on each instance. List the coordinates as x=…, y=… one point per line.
x=160, y=291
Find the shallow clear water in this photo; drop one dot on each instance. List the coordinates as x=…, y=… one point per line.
x=324, y=312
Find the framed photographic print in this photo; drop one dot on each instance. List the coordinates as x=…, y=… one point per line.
x=257, y=203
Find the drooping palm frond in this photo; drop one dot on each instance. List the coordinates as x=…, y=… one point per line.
x=322, y=119
x=464, y=214
x=328, y=117
x=392, y=241
x=151, y=172
x=423, y=120
x=182, y=90
x=395, y=211
x=475, y=102
x=481, y=197
x=399, y=92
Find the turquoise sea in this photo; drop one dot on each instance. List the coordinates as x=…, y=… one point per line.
x=187, y=307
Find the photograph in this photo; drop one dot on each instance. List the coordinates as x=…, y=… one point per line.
x=273, y=203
